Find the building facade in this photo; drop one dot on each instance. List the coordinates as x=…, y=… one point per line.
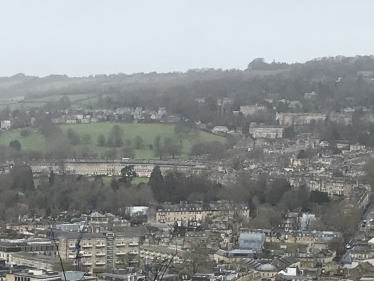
x=143, y=168
x=289, y=119
x=100, y=250
x=266, y=133
x=198, y=212
x=252, y=109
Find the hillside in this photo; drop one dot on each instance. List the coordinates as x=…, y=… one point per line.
x=197, y=82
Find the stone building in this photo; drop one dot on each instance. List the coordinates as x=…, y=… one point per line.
x=289, y=119
x=198, y=212
x=92, y=167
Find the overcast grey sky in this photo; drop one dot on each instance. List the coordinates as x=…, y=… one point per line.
x=83, y=37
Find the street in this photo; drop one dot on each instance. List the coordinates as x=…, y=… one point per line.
x=369, y=214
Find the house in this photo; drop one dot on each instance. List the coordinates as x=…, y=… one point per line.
x=343, y=145
x=357, y=147
x=324, y=144
x=288, y=119
x=151, y=252
x=252, y=109
x=6, y=125
x=290, y=221
x=198, y=212
x=161, y=111
x=266, y=132
x=70, y=120
x=310, y=95
x=220, y=130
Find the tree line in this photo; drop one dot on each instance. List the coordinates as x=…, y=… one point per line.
x=268, y=199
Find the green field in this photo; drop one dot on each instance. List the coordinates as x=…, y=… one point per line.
x=79, y=99
x=148, y=132
x=134, y=181
x=23, y=105
x=34, y=141
x=140, y=180
x=72, y=98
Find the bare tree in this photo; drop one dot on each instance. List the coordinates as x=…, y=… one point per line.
x=197, y=257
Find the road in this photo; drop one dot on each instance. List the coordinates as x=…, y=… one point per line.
x=369, y=214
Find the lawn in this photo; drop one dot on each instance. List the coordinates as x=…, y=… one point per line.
x=134, y=181
x=140, y=180
x=34, y=141
x=148, y=132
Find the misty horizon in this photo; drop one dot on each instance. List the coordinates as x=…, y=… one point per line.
x=180, y=71
x=86, y=38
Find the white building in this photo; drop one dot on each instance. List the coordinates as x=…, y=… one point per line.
x=161, y=111
x=220, y=130
x=266, y=133
x=6, y=124
x=356, y=147
x=252, y=109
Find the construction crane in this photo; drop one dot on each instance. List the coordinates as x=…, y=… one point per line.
x=77, y=250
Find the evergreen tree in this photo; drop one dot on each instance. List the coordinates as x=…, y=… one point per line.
x=156, y=181
x=127, y=175
x=101, y=140
x=15, y=144
x=51, y=179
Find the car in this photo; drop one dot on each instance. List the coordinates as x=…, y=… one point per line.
x=371, y=220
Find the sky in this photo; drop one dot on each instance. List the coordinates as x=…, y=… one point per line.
x=84, y=37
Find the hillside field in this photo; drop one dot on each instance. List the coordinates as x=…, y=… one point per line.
x=148, y=132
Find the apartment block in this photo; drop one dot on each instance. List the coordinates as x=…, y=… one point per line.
x=99, y=250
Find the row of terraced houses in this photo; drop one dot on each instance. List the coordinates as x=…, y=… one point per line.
x=93, y=167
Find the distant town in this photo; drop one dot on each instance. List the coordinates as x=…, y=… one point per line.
x=205, y=179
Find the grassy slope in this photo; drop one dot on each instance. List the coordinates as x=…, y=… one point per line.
x=34, y=141
x=147, y=131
